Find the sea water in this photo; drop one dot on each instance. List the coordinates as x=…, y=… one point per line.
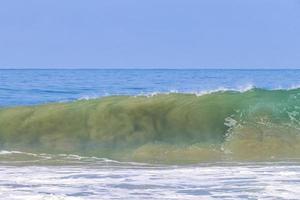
x=26, y=87
x=149, y=134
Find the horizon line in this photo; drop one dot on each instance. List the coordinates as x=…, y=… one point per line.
x=147, y=68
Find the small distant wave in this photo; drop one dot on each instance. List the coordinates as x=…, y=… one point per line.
x=249, y=124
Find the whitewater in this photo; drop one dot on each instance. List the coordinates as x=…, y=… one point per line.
x=149, y=134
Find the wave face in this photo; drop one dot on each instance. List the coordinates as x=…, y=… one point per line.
x=255, y=125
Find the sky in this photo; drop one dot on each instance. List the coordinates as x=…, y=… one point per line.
x=150, y=34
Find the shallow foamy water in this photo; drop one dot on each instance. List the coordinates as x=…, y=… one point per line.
x=111, y=181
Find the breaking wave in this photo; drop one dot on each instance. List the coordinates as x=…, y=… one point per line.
x=249, y=125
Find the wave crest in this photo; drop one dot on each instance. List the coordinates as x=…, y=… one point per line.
x=254, y=124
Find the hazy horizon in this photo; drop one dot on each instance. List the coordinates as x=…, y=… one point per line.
x=144, y=68
x=155, y=34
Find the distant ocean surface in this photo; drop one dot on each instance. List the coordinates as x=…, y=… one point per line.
x=149, y=134
x=26, y=87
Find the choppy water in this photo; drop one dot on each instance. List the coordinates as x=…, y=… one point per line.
x=251, y=181
x=257, y=120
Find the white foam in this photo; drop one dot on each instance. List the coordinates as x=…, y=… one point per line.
x=200, y=92
x=5, y=152
x=88, y=97
x=248, y=181
x=224, y=89
x=242, y=88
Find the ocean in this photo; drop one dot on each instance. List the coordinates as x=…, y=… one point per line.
x=149, y=134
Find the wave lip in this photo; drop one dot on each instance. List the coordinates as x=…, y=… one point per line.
x=248, y=125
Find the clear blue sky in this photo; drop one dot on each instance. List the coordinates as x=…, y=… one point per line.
x=150, y=33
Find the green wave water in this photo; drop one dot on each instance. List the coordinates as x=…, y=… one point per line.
x=255, y=125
